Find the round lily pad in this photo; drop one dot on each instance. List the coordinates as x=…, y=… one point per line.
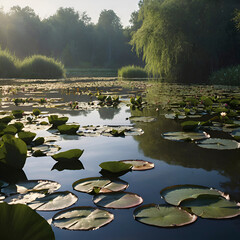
x=47, y=149
x=118, y=200
x=29, y=186
x=88, y=184
x=142, y=119
x=70, y=155
x=185, y=136
x=219, y=144
x=115, y=167
x=163, y=216
x=176, y=194
x=210, y=206
x=82, y=218
x=54, y=201
x=139, y=165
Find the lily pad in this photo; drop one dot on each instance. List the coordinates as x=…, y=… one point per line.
x=106, y=185
x=27, y=137
x=68, y=129
x=54, y=201
x=115, y=167
x=56, y=121
x=185, y=136
x=219, y=144
x=119, y=200
x=142, y=119
x=163, y=216
x=176, y=194
x=139, y=165
x=189, y=125
x=70, y=155
x=47, y=149
x=215, y=207
x=21, y=222
x=82, y=218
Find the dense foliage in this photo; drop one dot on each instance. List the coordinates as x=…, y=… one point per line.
x=187, y=40
x=132, y=72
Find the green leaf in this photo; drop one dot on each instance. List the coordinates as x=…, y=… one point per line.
x=163, y=216
x=36, y=112
x=27, y=137
x=21, y=222
x=219, y=144
x=17, y=113
x=117, y=200
x=185, y=136
x=68, y=129
x=139, y=165
x=57, y=121
x=115, y=167
x=189, y=125
x=82, y=218
x=70, y=155
x=142, y=119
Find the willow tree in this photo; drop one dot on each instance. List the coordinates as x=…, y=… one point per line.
x=186, y=40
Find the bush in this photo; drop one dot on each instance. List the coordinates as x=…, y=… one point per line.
x=41, y=67
x=132, y=72
x=226, y=76
x=8, y=65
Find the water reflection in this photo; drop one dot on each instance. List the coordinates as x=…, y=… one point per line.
x=108, y=113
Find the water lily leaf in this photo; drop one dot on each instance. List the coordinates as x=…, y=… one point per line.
x=71, y=165
x=142, y=119
x=115, y=167
x=176, y=194
x=219, y=144
x=139, y=165
x=47, y=149
x=70, y=155
x=163, y=216
x=54, y=201
x=68, y=129
x=31, y=186
x=174, y=116
x=117, y=200
x=15, y=224
x=189, y=125
x=57, y=121
x=27, y=137
x=82, y=218
x=10, y=129
x=185, y=136
x=209, y=206
x=17, y=113
x=88, y=184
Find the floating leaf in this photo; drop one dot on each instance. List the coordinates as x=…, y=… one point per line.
x=54, y=201
x=210, y=206
x=175, y=194
x=82, y=218
x=71, y=165
x=46, y=149
x=57, y=121
x=21, y=222
x=88, y=184
x=70, y=155
x=68, y=129
x=139, y=165
x=117, y=200
x=189, y=125
x=115, y=167
x=27, y=137
x=163, y=216
x=142, y=119
x=36, y=112
x=185, y=136
x=219, y=144
x=17, y=113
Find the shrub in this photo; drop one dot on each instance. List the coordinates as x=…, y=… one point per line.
x=8, y=65
x=41, y=67
x=132, y=72
x=226, y=76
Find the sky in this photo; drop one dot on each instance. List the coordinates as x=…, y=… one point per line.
x=46, y=8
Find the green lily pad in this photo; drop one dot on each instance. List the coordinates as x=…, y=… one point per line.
x=70, y=155
x=185, y=136
x=174, y=116
x=106, y=185
x=38, y=141
x=17, y=113
x=142, y=119
x=219, y=144
x=72, y=165
x=139, y=165
x=57, y=121
x=189, y=125
x=27, y=137
x=54, y=201
x=47, y=149
x=176, y=194
x=115, y=167
x=82, y=218
x=68, y=129
x=215, y=207
x=31, y=186
x=119, y=200
x=36, y=112
x=21, y=222
x=163, y=216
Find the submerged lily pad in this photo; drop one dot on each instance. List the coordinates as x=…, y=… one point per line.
x=54, y=201
x=21, y=222
x=185, y=136
x=139, y=165
x=163, y=216
x=70, y=155
x=115, y=167
x=209, y=206
x=219, y=144
x=142, y=119
x=106, y=185
x=117, y=200
x=176, y=194
x=82, y=218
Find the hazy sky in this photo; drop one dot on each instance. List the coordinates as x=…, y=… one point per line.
x=46, y=8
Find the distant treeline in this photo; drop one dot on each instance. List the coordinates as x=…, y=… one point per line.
x=68, y=36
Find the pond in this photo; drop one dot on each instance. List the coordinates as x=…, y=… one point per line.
x=175, y=162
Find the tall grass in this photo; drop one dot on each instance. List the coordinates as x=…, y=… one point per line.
x=132, y=72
